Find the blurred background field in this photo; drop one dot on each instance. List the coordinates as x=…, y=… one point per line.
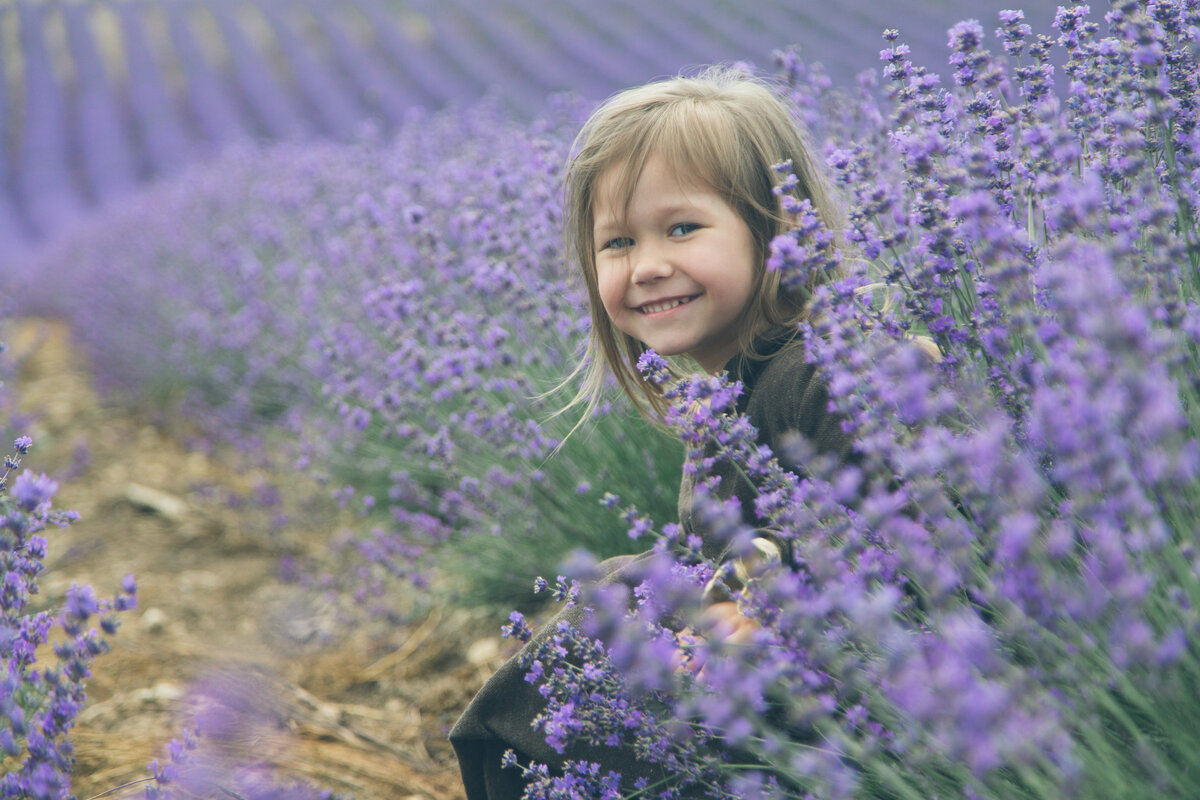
x=101, y=96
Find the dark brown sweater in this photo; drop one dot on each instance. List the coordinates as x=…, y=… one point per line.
x=782, y=394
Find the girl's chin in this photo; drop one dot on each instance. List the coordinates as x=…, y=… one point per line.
x=665, y=349
x=711, y=363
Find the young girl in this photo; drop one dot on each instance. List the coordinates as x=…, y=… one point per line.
x=671, y=207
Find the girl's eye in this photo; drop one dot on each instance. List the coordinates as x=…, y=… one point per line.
x=617, y=243
x=683, y=228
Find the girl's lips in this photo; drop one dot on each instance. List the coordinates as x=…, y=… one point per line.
x=660, y=306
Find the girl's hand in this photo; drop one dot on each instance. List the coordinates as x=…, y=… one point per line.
x=728, y=624
x=724, y=623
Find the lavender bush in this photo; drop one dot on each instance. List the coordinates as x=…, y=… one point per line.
x=999, y=600
x=38, y=701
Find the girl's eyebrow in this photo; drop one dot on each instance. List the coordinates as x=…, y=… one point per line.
x=605, y=221
x=668, y=208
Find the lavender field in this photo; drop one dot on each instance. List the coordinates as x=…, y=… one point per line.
x=322, y=243
x=99, y=97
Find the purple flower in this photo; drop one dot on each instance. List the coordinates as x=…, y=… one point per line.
x=32, y=491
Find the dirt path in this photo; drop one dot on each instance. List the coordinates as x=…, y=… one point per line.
x=361, y=717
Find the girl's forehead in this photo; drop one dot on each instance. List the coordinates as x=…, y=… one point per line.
x=617, y=183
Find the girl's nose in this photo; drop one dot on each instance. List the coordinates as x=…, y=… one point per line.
x=649, y=265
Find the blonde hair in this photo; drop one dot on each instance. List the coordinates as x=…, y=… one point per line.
x=724, y=129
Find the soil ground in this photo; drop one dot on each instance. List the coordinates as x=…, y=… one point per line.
x=363, y=716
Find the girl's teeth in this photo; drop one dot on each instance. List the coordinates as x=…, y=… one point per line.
x=650, y=309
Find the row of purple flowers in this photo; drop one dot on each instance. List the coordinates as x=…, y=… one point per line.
x=98, y=98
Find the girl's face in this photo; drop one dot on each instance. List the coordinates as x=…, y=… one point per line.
x=676, y=270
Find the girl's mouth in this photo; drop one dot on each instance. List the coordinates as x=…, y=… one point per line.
x=665, y=305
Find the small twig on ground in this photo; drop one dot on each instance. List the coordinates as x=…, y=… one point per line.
x=409, y=647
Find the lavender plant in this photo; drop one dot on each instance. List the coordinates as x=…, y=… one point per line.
x=217, y=119
x=40, y=701
x=165, y=139
x=998, y=598
x=109, y=161
x=39, y=704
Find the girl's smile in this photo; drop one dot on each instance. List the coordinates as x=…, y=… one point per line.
x=662, y=306
x=676, y=266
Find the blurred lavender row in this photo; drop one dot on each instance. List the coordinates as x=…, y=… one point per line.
x=99, y=97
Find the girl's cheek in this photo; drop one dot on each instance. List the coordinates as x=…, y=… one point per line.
x=612, y=289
